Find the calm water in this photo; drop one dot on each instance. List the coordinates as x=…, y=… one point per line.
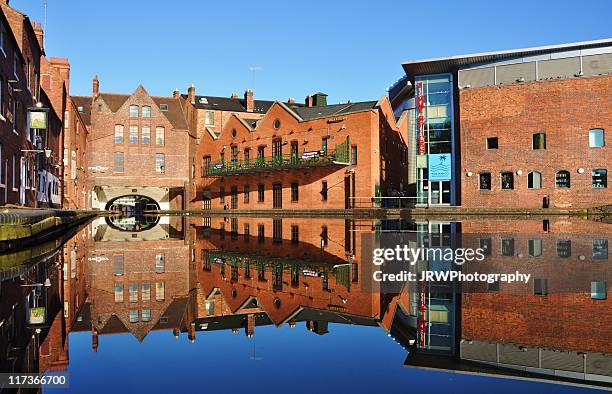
x=195, y=304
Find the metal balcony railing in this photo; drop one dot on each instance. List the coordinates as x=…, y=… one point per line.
x=322, y=158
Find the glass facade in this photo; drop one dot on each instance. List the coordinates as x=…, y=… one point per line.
x=434, y=139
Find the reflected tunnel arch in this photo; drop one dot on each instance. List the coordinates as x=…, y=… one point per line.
x=131, y=209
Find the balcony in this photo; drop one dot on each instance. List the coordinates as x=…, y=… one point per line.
x=340, y=156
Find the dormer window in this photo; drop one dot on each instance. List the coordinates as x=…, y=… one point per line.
x=163, y=107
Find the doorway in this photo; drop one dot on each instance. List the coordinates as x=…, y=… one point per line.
x=277, y=195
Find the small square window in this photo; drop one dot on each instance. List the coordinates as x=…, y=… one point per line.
x=163, y=107
x=600, y=249
x=540, y=287
x=492, y=143
x=485, y=181
x=598, y=290
x=599, y=179
x=493, y=286
x=507, y=247
x=507, y=180
x=564, y=248
x=486, y=245
x=539, y=141
x=596, y=138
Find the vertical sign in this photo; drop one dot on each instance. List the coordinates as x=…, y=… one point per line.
x=421, y=117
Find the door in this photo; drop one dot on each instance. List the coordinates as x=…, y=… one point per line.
x=277, y=195
x=277, y=145
x=234, y=197
x=294, y=152
x=439, y=193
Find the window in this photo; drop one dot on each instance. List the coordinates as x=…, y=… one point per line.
x=492, y=143
x=118, y=161
x=222, y=195
x=277, y=230
x=133, y=134
x=160, y=291
x=354, y=155
x=118, y=260
x=146, y=111
x=160, y=163
x=534, y=180
x=145, y=291
x=247, y=231
x=562, y=179
x=234, y=150
x=493, y=286
x=294, y=191
x=260, y=153
x=540, y=287
x=222, y=157
x=486, y=245
x=598, y=290
x=277, y=124
x=15, y=65
x=209, y=120
x=535, y=247
x=133, y=316
x=146, y=135
x=507, y=247
x=160, y=135
x=507, y=180
x=485, y=181
x=600, y=249
x=599, y=178
x=133, y=292
x=247, y=156
x=118, y=134
x=260, y=193
x=118, y=292
x=596, y=138
x=14, y=177
x=324, y=145
x=160, y=264
x=564, y=248
x=539, y=141
x=295, y=234
x=146, y=315
x=324, y=237
x=163, y=107
x=324, y=190
x=246, y=192
x=133, y=111
x=260, y=233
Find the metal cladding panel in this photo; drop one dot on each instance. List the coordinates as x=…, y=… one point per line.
x=559, y=68
x=561, y=360
x=477, y=77
x=479, y=351
x=597, y=64
x=512, y=354
x=513, y=72
x=599, y=364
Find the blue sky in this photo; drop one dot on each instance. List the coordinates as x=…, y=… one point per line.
x=348, y=49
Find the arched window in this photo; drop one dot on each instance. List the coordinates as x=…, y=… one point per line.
x=563, y=179
x=534, y=180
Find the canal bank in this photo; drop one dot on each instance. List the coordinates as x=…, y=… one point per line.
x=20, y=227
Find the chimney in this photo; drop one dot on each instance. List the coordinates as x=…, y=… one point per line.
x=248, y=99
x=291, y=100
x=234, y=95
x=38, y=31
x=175, y=93
x=96, y=87
x=249, y=329
x=94, y=340
x=191, y=334
x=63, y=67
x=308, y=101
x=191, y=94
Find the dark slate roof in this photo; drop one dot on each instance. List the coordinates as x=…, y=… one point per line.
x=174, y=313
x=85, y=102
x=114, y=100
x=307, y=113
x=234, y=105
x=114, y=325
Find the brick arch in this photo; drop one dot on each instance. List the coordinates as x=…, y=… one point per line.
x=161, y=195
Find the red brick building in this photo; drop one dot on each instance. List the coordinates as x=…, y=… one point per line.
x=138, y=145
x=312, y=156
x=525, y=128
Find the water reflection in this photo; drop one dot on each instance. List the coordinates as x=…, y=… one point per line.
x=200, y=276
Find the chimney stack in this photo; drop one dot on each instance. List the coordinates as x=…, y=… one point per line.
x=234, y=95
x=38, y=31
x=96, y=87
x=175, y=93
x=249, y=329
x=291, y=100
x=309, y=101
x=94, y=340
x=249, y=101
x=191, y=94
x=61, y=64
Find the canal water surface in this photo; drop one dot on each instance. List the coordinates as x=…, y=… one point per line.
x=289, y=305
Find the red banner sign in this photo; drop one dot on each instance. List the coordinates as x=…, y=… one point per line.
x=420, y=98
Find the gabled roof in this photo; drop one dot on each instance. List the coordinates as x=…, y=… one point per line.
x=307, y=113
x=114, y=100
x=85, y=103
x=234, y=105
